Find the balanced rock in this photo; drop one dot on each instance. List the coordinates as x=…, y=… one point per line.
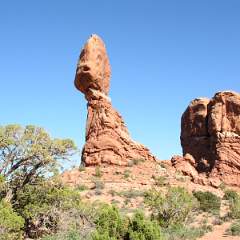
x=107, y=137
x=210, y=132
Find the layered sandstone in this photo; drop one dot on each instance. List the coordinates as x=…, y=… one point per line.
x=210, y=132
x=107, y=137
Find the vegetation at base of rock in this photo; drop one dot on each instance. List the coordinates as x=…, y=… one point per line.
x=234, y=229
x=230, y=195
x=98, y=184
x=131, y=193
x=98, y=172
x=171, y=208
x=234, y=206
x=160, y=181
x=82, y=168
x=82, y=187
x=209, y=202
x=126, y=173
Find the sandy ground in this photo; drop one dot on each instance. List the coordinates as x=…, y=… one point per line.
x=218, y=233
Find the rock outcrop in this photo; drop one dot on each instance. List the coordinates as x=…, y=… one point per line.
x=107, y=137
x=210, y=133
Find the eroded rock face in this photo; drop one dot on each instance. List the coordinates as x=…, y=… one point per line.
x=107, y=137
x=210, y=132
x=194, y=133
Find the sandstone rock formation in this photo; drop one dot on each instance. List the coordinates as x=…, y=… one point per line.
x=210, y=132
x=107, y=137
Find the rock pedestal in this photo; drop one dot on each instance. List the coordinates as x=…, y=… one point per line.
x=107, y=137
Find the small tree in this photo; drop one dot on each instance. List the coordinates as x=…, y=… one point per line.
x=142, y=228
x=171, y=208
x=10, y=223
x=27, y=154
x=109, y=224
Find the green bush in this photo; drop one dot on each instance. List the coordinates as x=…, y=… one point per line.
x=82, y=168
x=234, y=229
x=131, y=193
x=230, y=195
x=126, y=173
x=49, y=206
x=109, y=224
x=3, y=187
x=141, y=228
x=98, y=172
x=160, y=181
x=234, y=208
x=81, y=188
x=172, y=208
x=99, y=184
x=209, y=202
x=11, y=224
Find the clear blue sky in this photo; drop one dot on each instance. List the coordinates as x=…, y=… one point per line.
x=163, y=54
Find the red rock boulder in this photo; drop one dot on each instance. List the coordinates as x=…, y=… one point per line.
x=210, y=132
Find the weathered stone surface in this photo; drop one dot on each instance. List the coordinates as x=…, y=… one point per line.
x=93, y=69
x=186, y=165
x=107, y=137
x=194, y=133
x=210, y=132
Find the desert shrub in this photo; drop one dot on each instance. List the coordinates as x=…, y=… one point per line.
x=209, y=202
x=99, y=184
x=160, y=180
x=234, y=206
x=162, y=165
x=222, y=186
x=138, y=161
x=82, y=168
x=49, y=207
x=112, y=192
x=98, y=172
x=81, y=187
x=230, y=195
x=131, y=193
x=11, y=224
x=3, y=187
x=141, y=228
x=234, y=229
x=172, y=208
x=126, y=173
x=181, y=232
x=109, y=224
